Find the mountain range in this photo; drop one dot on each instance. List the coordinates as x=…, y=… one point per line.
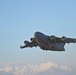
x=48, y=68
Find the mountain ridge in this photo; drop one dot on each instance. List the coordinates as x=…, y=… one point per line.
x=42, y=69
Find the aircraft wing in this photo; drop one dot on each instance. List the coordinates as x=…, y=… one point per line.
x=29, y=44
x=23, y=46
x=65, y=40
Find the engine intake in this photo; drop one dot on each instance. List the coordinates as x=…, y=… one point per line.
x=26, y=42
x=64, y=38
x=52, y=37
x=32, y=39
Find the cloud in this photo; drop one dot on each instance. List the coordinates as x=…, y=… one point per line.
x=42, y=69
x=5, y=73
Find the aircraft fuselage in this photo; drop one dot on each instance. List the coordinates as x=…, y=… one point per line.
x=45, y=43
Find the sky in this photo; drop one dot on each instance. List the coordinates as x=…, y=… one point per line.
x=20, y=19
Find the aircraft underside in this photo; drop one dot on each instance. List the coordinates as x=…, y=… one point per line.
x=55, y=47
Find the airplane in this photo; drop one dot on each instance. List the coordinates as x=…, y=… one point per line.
x=46, y=42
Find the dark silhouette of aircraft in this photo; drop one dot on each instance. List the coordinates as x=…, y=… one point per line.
x=45, y=42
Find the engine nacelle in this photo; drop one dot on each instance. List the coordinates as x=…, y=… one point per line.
x=32, y=39
x=64, y=39
x=52, y=37
x=26, y=42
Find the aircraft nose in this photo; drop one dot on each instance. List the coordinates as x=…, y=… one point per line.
x=36, y=34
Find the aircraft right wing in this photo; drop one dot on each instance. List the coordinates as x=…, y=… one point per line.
x=31, y=44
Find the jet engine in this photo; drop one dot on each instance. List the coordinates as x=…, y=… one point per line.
x=32, y=39
x=64, y=39
x=26, y=42
x=52, y=37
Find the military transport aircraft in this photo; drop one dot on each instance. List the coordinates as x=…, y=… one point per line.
x=45, y=42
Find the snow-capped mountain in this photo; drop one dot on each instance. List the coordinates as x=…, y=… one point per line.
x=49, y=68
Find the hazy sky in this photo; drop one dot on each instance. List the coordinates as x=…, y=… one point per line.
x=19, y=19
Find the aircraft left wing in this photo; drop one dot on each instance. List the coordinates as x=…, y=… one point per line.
x=65, y=40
